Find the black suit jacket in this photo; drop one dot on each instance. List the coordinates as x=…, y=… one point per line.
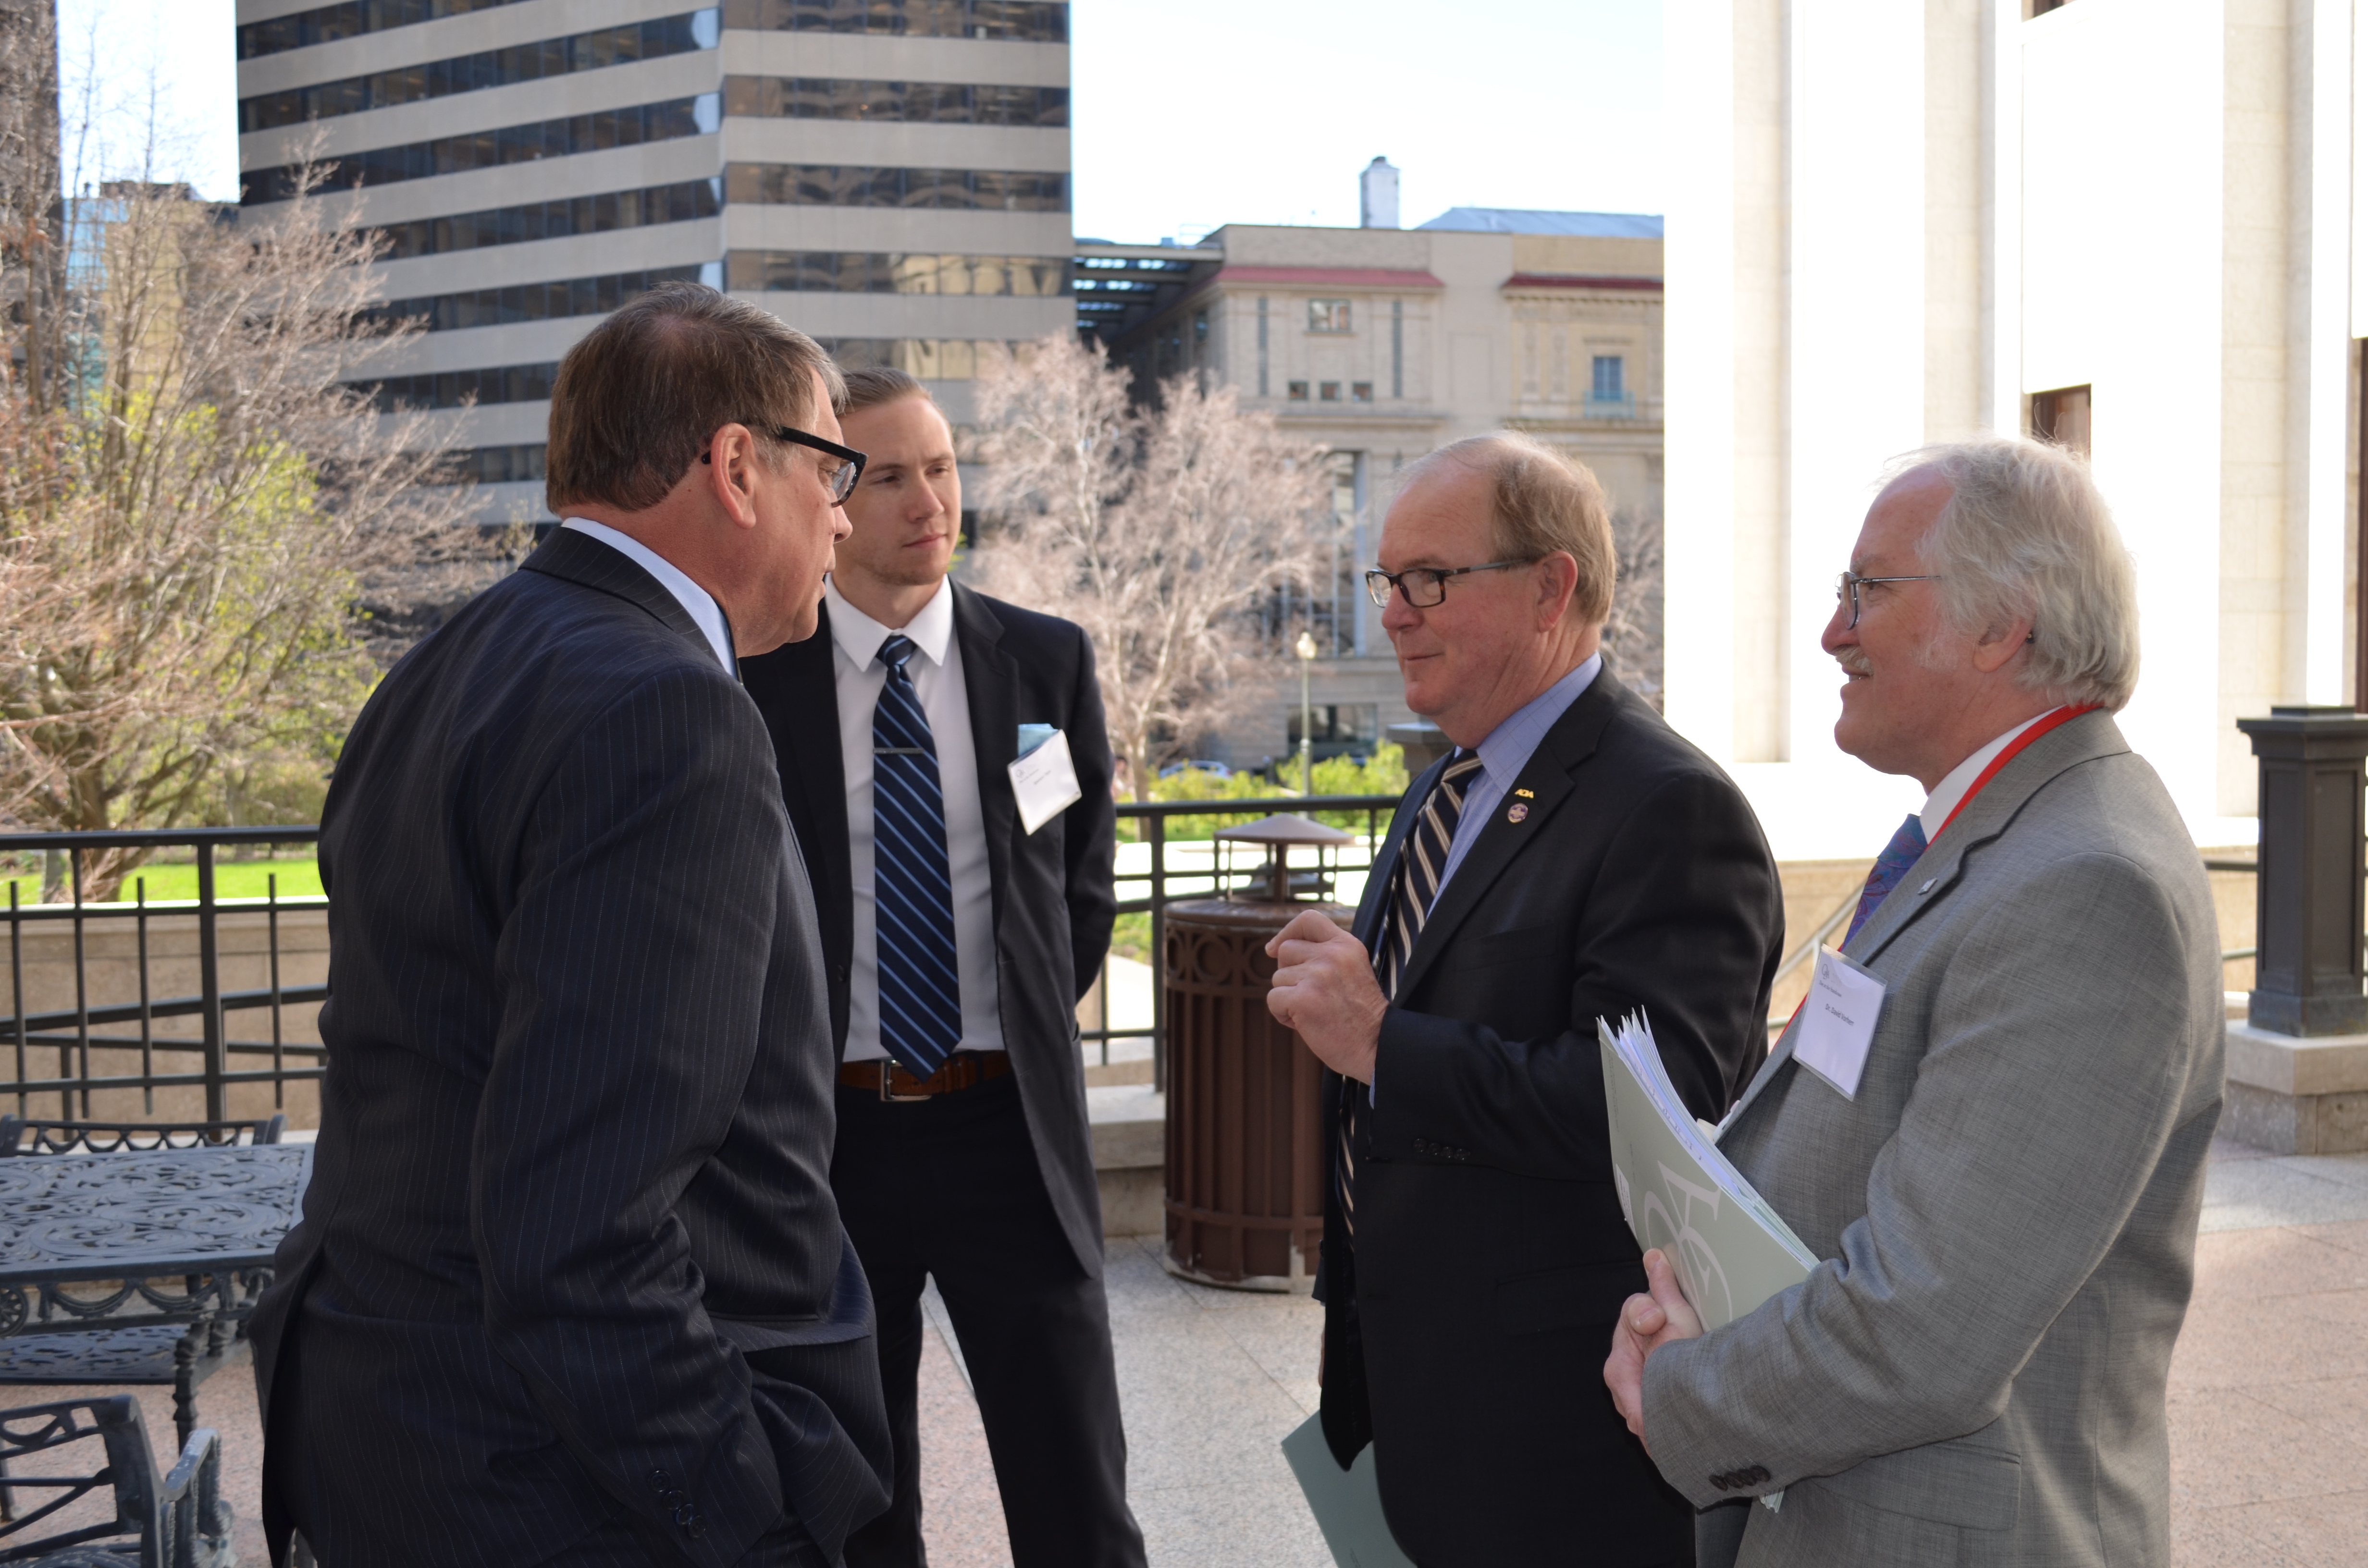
x=576, y=1127
x=1465, y=1329
x=1054, y=902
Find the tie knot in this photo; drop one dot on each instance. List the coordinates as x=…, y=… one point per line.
x=895, y=650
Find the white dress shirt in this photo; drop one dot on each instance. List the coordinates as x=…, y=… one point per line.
x=705, y=613
x=937, y=673
x=1948, y=794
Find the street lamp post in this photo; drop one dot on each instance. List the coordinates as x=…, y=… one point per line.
x=1306, y=650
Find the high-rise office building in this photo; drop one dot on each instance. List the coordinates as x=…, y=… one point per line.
x=890, y=176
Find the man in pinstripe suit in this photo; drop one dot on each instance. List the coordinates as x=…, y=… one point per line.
x=571, y=1286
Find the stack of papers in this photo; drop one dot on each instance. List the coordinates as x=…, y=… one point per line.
x=1682, y=1195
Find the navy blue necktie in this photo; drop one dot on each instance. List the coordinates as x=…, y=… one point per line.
x=1907, y=846
x=920, y=991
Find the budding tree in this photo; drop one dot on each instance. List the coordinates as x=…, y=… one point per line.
x=1158, y=529
x=191, y=490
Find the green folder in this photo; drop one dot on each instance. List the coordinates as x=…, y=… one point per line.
x=1347, y=1503
x=1682, y=1195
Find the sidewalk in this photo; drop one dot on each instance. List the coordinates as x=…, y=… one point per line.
x=2269, y=1399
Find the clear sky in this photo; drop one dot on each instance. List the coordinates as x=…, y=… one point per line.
x=1246, y=111
x=1263, y=111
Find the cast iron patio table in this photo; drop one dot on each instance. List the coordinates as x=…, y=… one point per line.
x=139, y=1267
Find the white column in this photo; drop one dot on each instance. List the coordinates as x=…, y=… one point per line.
x=2329, y=304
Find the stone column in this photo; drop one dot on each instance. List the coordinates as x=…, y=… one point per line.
x=2298, y=1065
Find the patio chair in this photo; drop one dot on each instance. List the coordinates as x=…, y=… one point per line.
x=142, y=1354
x=179, y=1521
x=23, y=1135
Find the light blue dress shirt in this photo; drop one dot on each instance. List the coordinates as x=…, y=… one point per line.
x=1507, y=751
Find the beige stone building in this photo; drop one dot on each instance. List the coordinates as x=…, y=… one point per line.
x=1381, y=344
x=2135, y=223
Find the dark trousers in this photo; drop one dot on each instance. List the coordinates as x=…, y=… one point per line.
x=950, y=1188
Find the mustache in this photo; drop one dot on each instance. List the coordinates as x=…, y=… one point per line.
x=1853, y=661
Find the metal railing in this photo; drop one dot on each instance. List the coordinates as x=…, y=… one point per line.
x=113, y=1024
x=96, y=1024
x=1152, y=818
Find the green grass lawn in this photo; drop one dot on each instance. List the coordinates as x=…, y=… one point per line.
x=168, y=883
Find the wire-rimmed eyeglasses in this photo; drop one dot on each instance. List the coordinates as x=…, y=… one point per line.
x=841, y=480
x=1424, y=587
x=1847, y=584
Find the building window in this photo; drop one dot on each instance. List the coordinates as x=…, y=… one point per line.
x=1327, y=315
x=1262, y=382
x=1361, y=391
x=1021, y=21
x=893, y=272
x=830, y=185
x=1297, y=391
x=1199, y=336
x=473, y=72
x=349, y=18
x=488, y=149
x=2061, y=416
x=1329, y=392
x=540, y=301
x=1398, y=348
x=1611, y=377
x=937, y=103
x=677, y=203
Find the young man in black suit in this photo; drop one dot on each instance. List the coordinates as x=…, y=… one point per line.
x=1571, y=859
x=958, y=943
x=571, y=1286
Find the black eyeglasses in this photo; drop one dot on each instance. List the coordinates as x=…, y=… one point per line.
x=1848, y=584
x=1424, y=587
x=841, y=479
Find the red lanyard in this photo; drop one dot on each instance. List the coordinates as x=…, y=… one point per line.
x=2061, y=716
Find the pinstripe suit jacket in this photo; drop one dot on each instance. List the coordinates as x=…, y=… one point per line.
x=1977, y=1373
x=577, y=1130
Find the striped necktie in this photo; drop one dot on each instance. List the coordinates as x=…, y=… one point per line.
x=1422, y=862
x=920, y=992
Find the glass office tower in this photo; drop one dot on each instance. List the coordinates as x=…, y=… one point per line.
x=890, y=176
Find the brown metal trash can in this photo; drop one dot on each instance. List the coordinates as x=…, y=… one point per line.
x=1246, y=1171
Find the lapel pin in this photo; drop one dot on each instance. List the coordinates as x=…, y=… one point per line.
x=1525, y=794
x=1519, y=810
x=1927, y=887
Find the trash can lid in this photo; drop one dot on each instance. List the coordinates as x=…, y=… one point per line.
x=1285, y=829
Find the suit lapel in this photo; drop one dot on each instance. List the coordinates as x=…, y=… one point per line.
x=1548, y=778
x=1385, y=860
x=1939, y=869
x=990, y=688
x=808, y=695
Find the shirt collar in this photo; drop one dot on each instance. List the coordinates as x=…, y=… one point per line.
x=1950, y=791
x=1509, y=747
x=700, y=605
x=859, y=636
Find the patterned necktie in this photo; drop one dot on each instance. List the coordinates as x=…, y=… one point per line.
x=1902, y=852
x=920, y=992
x=1422, y=858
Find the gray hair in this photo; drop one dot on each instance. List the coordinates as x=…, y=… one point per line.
x=2025, y=533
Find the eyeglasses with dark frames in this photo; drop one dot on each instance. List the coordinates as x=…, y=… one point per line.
x=1850, y=583
x=1425, y=586
x=841, y=479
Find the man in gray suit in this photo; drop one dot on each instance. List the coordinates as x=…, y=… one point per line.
x=2007, y=1206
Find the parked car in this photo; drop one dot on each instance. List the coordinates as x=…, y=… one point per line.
x=1213, y=769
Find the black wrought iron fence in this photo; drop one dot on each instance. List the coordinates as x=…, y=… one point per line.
x=1149, y=881
x=109, y=998
x=133, y=964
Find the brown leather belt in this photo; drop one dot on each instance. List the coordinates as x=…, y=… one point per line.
x=963, y=1070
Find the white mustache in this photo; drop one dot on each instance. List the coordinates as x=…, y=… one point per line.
x=1853, y=661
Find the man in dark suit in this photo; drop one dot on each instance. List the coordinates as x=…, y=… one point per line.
x=1571, y=859
x=958, y=941
x=569, y=1286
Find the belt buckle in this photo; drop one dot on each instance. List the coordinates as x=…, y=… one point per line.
x=887, y=1068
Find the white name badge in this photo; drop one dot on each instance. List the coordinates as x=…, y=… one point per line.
x=1838, y=1021
x=1044, y=782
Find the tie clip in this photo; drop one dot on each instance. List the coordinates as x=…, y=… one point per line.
x=898, y=751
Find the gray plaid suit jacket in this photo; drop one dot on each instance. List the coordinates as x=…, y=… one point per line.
x=1977, y=1372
